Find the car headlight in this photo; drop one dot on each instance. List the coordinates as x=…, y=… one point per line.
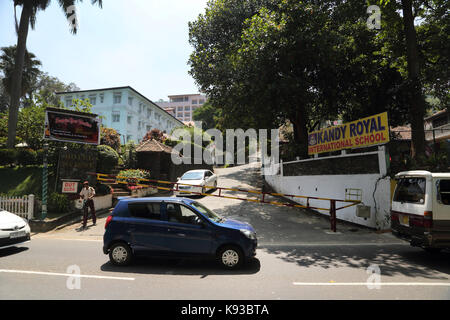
x=249, y=234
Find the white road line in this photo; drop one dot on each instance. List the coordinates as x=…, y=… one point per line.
x=439, y=284
x=65, y=275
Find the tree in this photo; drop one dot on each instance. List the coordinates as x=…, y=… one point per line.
x=425, y=48
x=30, y=70
x=290, y=60
x=208, y=115
x=110, y=137
x=28, y=18
x=47, y=86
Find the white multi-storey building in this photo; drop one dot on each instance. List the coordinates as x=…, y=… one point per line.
x=182, y=106
x=124, y=109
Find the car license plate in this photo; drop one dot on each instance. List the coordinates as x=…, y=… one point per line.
x=404, y=220
x=19, y=234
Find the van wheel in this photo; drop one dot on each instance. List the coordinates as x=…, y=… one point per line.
x=433, y=250
x=120, y=254
x=231, y=257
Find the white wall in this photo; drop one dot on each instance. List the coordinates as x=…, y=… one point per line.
x=375, y=193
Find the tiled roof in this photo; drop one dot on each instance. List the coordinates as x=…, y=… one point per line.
x=153, y=145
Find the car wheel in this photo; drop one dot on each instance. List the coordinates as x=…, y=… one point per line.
x=231, y=257
x=120, y=254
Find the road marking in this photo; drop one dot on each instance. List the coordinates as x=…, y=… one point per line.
x=442, y=284
x=66, y=275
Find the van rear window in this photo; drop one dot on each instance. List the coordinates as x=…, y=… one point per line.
x=410, y=190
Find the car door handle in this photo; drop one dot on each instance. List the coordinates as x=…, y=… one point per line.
x=181, y=235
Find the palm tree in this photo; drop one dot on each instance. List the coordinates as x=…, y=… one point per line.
x=30, y=71
x=27, y=18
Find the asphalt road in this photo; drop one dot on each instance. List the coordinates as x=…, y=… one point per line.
x=298, y=258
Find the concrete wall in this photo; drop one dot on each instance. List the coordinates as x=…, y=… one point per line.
x=376, y=192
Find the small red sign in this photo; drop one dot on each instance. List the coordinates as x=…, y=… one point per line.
x=69, y=187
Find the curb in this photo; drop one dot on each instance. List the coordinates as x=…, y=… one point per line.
x=42, y=226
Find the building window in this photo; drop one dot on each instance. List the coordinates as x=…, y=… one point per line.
x=130, y=101
x=201, y=101
x=129, y=138
x=82, y=97
x=93, y=100
x=149, y=128
x=187, y=108
x=186, y=98
x=149, y=113
x=101, y=97
x=176, y=99
x=117, y=98
x=129, y=119
x=194, y=101
x=116, y=116
x=69, y=102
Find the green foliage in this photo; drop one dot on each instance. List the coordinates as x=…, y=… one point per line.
x=110, y=137
x=8, y=156
x=135, y=173
x=107, y=159
x=128, y=155
x=208, y=114
x=26, y=156
x=58, y=203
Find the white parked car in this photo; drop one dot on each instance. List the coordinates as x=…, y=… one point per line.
x=200, y=178
x=13, y=230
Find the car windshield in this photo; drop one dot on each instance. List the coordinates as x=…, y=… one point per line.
x=207, y=212
x=410, y=190
x=192, y=176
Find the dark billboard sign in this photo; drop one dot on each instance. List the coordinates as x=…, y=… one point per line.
x=71, y=126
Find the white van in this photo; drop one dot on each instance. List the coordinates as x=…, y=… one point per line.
x=420, y=210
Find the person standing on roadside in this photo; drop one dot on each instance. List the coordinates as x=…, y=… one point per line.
x=87, y=194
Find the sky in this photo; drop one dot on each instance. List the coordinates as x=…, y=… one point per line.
x=139, y=43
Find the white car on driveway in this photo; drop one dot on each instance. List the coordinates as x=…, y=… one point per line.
x=13, y=230
x=196, y=181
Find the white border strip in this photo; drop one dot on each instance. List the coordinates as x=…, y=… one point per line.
x=66, y=275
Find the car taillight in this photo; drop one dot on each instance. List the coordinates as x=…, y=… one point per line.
x=428, y=219
x=108, y=220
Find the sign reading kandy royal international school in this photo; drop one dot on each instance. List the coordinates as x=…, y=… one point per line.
x=71, y=126
x=361, y=133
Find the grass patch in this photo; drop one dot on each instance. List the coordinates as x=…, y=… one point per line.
x=20, y=181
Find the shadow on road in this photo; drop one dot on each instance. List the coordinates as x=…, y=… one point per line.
x=165, y=266
x=393, y=260
x=11, y=251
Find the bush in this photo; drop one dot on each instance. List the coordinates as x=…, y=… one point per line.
x=26, y=157
x=111, y=138
x=58, y=203
x=8, y=156
x=107, y=159
x=131, y=175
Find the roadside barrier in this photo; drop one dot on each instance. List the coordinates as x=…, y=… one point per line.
x=174, y=186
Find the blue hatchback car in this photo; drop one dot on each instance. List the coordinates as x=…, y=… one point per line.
x=176, y=227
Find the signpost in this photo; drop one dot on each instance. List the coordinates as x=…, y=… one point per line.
x=67, y=126
x=370, y=131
